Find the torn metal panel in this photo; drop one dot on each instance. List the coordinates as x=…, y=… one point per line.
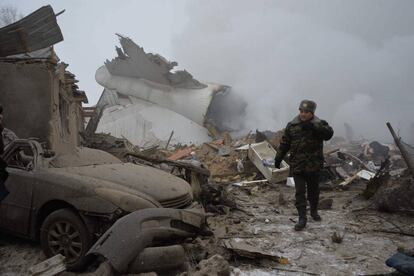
x=160, y=98
x=191, y=103
x=145, y=124
x=36, y=31
x=108, y=98
x=128, y=237
x=132, y=61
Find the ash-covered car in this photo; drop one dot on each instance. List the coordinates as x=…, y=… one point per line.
x=68, y=200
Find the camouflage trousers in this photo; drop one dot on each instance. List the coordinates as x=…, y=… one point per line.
x=307, y=187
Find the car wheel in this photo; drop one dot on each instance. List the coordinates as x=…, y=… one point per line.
x=63, y=232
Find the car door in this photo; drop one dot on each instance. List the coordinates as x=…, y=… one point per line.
x=16, y=207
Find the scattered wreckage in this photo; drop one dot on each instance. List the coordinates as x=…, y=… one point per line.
x=153, y=230
x=166, y=238
x=131, y=208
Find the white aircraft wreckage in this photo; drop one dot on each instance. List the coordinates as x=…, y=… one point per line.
x=147, y=103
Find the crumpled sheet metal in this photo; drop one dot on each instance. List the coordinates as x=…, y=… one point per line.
x=130, y=235
x=36, y=31
x=132, y=61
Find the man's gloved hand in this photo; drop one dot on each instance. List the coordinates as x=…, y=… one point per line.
x=277, y=163
x=319, y=125
x=308, y=126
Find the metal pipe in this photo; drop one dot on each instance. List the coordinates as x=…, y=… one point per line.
x=404, y=153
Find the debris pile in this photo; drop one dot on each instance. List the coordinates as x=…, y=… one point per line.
x=249, y=159
x=396, y=194
x=235, y=211
x=215, y=265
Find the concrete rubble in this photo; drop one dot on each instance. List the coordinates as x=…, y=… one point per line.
x=237, y=212
x=215, y=265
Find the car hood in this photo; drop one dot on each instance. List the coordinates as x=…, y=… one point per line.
x=155, y=183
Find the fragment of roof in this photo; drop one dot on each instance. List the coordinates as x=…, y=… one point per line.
x=36, y=31
x=70, y=80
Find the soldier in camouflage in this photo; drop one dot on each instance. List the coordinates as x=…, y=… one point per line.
x=303, y=138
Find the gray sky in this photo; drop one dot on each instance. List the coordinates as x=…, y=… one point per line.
x=353, y=57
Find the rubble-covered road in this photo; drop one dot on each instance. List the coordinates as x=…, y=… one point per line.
x=268, y=225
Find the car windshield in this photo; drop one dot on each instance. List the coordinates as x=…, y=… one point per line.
x=83, y=157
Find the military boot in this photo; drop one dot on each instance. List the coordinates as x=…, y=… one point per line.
x=302, y=220
x=314, y=213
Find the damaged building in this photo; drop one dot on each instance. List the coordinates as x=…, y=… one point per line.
x=146, y=102
x=47, y=103
x=59, y=193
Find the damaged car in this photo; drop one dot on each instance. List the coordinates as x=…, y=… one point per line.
x=69, y=200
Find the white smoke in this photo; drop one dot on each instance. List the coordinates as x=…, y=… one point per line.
x=354, y=58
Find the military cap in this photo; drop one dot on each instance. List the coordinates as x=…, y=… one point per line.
x=307, y=105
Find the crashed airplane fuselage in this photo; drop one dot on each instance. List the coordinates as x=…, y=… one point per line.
x=144, y=101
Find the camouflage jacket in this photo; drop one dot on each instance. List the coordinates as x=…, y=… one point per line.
x=304, y=141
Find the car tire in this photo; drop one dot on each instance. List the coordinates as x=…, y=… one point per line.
x=63, y=232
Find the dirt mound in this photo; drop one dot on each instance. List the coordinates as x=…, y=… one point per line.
x=396, y=195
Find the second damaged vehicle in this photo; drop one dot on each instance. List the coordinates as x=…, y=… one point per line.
x=68, y=200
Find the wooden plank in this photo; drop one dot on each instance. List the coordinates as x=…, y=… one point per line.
x=349, y=180
x=49, y=267
x=33, y=32
x=401, y=147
